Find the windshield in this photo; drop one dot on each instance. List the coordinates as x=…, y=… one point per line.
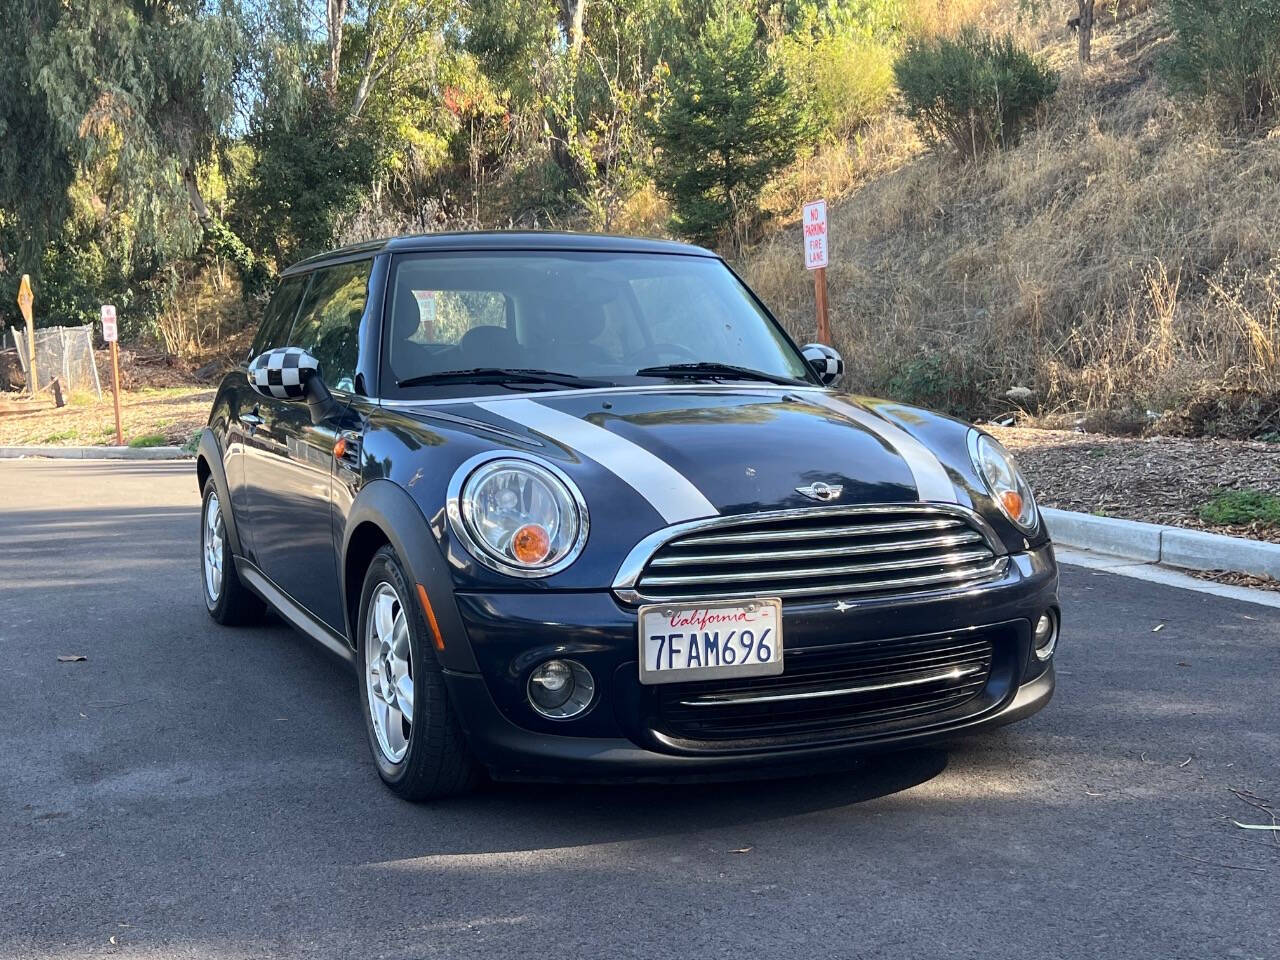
x=456, y=320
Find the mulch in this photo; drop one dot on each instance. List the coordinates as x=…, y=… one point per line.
x=1157, y=479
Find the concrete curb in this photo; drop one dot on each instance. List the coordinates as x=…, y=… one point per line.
x=97, y=453
x=1171, y=546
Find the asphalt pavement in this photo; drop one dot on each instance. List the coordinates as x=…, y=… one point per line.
x=189, y=790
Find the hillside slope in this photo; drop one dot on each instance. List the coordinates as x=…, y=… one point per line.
x=1121, y=262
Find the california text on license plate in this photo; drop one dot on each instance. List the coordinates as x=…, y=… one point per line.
x=710, y=641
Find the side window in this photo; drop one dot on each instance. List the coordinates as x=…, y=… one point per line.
x=445, y=315
x=328, y=324
x=277, y=319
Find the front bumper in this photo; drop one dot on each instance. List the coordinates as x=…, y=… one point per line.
x=624, y=736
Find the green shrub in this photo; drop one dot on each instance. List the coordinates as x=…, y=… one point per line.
x=846, y=80
x=148, y=440
x=731, y=124
x=1236, y=507
x=974, y=91
x=1229, y=52
x=840, y=61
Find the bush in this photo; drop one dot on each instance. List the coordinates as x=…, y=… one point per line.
x=974, y=91
x=839, y=60
x=1229, y=52
x=846, y=80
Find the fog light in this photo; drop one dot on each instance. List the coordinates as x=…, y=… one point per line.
x=1046, y=635
x=561, y=689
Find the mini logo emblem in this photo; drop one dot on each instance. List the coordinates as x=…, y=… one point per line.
x=821, y=491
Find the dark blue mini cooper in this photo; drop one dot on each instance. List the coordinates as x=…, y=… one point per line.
x=577, y=507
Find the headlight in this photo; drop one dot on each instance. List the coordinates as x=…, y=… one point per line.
x=1005, y=481
x=518, y=517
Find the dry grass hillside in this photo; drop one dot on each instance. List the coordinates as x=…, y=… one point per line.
x=1122, y=263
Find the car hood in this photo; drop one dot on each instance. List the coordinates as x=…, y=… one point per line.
x=647, y=458
x=696, y=452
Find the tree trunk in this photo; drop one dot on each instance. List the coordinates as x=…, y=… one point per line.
x=366, y=81
x=1085, y=32
x=197, y=201
x=335, y=14
x=572, y=12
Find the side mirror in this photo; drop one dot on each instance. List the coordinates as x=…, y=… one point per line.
x=825, y=362
x=290, y=373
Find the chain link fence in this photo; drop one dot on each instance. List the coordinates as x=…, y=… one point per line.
x=62, y=352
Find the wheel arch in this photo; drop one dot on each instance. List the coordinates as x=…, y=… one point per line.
x=384, y=513
x=209, y=463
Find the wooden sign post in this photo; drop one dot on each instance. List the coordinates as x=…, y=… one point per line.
x=25, y=300
x=814, y=229
x=110, y=333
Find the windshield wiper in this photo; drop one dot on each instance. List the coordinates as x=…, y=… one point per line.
x=501, y=375
x=717, y=371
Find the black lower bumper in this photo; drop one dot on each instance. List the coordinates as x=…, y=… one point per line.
x=514, y=753
x=634, y=732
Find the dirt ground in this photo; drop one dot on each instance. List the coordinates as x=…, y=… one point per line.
x=151, y=416
x=164, y=401
x=1157, y=479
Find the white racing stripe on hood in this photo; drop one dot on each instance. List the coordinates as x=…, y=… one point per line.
x=670, y=493
x=932, y=482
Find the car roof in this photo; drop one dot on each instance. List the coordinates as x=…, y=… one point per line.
x=501, y=240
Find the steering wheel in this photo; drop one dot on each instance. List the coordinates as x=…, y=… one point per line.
x=653, y=354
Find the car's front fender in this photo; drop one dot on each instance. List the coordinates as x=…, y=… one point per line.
x=382, y=510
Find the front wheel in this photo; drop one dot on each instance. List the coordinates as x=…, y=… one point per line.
x=228, y=600
x=417, y=744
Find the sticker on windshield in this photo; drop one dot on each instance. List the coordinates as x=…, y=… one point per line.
x=426, y=314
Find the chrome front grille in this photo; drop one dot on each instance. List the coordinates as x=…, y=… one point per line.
x=821, y=552
x=837, y=692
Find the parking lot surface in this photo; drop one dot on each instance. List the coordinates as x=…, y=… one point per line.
x=189, y=790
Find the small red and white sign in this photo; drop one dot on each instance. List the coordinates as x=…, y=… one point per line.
x=814, y=227
x=109, y=330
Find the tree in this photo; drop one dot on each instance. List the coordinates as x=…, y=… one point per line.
x=120, y=104
x=311, y=167
x=36, y=165
x=148, y=87
x=731, y=124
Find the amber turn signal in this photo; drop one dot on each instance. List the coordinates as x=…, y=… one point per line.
x=1012, y=501
x=340, y=447
x=531, y=543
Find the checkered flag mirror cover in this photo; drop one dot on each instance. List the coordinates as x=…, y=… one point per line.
x=825, y=361
x=283, y=373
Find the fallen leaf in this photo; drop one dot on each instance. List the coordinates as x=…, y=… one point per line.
x=742, y=850
x=71, y=657
x=1158, y=628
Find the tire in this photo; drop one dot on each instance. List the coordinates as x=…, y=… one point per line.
x=227, y=599
x=432, y=760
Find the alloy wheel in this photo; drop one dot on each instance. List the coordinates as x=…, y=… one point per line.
x=215, y=533
x=388, y=671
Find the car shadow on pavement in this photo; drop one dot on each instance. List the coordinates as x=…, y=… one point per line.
x=509, y=817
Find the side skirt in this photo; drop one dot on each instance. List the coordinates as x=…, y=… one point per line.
x=284, y=605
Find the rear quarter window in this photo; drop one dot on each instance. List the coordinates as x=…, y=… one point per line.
x=277, y=319
x=328, y=323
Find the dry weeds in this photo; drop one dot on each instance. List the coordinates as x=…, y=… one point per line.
x=1121, y=258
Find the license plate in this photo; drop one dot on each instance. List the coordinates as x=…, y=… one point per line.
x=710, y=641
